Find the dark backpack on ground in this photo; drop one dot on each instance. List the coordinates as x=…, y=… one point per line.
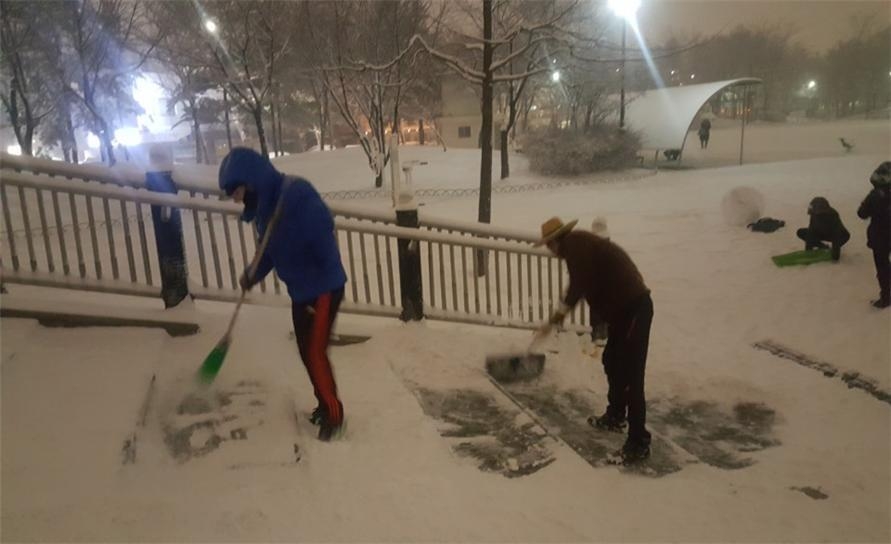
x=766, y=224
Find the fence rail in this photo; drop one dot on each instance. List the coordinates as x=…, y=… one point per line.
x=87, y=228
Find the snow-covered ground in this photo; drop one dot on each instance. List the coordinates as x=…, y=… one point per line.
x=71, y=396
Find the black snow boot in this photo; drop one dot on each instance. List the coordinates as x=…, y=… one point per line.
x=317, y=415
x=881, y=302
x=634, y=452
x=328, y=432
x=608, y=422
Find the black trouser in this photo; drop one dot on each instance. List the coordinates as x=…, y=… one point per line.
x=625, y=363
x=883, y=271
x=313, y=322
x=814, y=240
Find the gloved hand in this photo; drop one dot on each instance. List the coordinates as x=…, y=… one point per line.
x=246, y=282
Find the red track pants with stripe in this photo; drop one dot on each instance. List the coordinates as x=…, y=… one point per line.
x=313, y=322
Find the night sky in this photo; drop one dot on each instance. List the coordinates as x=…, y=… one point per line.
x=820, y=23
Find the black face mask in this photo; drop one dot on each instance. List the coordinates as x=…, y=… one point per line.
x=250, y=206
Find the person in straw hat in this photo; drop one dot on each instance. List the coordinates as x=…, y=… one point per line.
x=604, y=275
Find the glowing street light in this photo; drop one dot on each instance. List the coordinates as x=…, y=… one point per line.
x=811, y=84
x=627, y=10
x=210, y=26
x=692, y=76
x=555, y=76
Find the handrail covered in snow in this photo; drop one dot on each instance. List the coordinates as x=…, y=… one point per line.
x=127, y=175
x=102, y=237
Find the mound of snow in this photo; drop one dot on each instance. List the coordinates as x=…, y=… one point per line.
x=742, y=205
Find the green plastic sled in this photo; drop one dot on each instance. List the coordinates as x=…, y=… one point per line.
x=802, y=257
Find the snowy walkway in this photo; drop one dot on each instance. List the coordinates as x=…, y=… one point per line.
x=814, y=465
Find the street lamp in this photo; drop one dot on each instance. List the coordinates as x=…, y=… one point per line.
x=627, y=10
x=811, y=84
x=210, y=26
x=555, y=76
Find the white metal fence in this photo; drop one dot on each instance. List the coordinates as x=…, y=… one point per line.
x=90, y=227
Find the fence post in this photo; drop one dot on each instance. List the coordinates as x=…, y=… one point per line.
x=409, y=250
x=168, y=228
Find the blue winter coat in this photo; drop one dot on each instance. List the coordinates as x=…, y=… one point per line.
x=303, y=247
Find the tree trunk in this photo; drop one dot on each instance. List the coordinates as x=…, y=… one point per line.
x=421, y=131
x=105, y=138
x=261, y=133
x=281, y=139
x=505, y=165
x=274, y=134
x=196, y=132
x=485, y=203
x=226, y=116
x=326, y=121
x=27, y=144
x=72, y=140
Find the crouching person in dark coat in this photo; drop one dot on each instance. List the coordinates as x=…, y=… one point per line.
x=605, y=276
x=825, y=226
x=877, y=208
x=303, y=251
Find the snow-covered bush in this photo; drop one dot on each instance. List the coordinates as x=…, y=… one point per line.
x=567, y=153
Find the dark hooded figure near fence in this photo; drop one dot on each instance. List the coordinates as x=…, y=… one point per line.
x=877, y=208
x=303, y=251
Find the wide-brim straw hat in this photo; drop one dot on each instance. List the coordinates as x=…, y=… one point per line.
x=554, y=228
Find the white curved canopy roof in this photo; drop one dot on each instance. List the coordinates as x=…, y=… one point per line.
x=662, y=117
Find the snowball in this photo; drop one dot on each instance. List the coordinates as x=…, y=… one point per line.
x=742, y=205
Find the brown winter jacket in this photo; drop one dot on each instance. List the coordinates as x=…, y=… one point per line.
x=601, y=273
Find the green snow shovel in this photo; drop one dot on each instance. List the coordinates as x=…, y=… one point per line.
x=211, y=365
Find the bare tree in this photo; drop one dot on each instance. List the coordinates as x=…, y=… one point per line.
x=103, y=44
x=366, y=73
x=187, y=72
x=483, y=58
x=26, y=86
x=250, y=41
x=855, y=71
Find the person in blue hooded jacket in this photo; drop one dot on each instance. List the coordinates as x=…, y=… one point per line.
x=303, y=251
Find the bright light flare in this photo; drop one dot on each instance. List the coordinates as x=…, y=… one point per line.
x=151, y=98
x=210, y=26
x=811, y=84
x=92, y=140
x=555, y=77
x=626, y=9
x=14, y=149
x=128, y=136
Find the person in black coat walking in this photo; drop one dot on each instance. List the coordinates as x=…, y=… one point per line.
x=877, y=208
x=825, y=226
x=705, y=128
